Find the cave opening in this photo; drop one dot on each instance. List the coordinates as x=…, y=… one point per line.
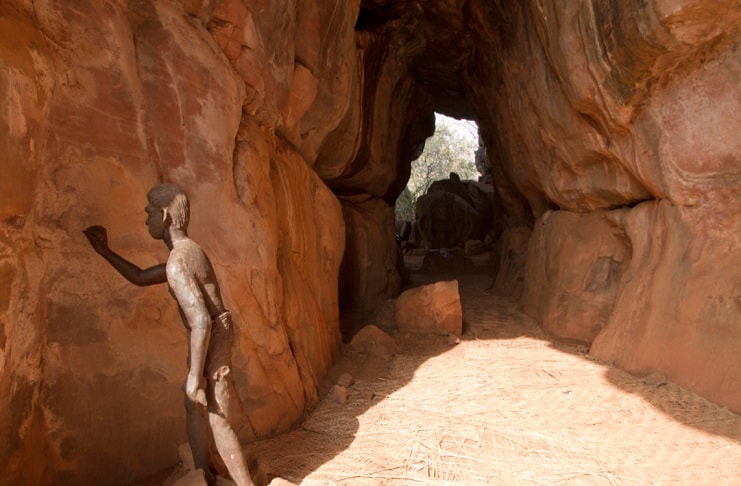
x=587, y=129
x=438, y=63
x=453, y=151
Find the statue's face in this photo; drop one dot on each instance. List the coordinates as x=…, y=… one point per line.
x=155, y=224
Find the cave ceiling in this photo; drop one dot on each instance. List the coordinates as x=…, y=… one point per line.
x=443, y=41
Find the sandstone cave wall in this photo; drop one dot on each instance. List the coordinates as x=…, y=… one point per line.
x=391, y=119
x=101, y=100
x=616, y=125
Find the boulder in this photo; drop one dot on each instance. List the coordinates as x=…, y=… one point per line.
x=346, y=380
x=340, y=394
x=574, y=266
x=453, y=212
x=372, y=341
x=676, y=308
x=434, y=308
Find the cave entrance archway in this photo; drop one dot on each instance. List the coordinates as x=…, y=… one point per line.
x=453, y=148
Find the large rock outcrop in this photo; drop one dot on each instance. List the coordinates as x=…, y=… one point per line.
x=617, y=127
x=453, y=211
x=596, y=115
x=100, y=102
x=573, y=265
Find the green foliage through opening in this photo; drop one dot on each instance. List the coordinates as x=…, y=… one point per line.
x=451, y=149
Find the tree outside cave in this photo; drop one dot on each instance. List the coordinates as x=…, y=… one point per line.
x=450, y=149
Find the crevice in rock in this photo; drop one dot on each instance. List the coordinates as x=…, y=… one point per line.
x=378, y=17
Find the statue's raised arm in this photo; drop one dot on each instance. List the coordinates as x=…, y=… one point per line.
x=98, y=238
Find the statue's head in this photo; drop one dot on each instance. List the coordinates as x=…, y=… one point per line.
x=167, y=206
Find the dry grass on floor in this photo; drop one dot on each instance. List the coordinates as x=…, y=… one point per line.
x=508, y=405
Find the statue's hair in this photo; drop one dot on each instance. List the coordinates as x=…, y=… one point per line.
x=172, y=198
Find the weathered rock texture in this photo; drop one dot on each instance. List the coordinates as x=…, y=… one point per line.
x=508, y=259
x=369, y=270
x=592, y=114
x=573, y=265
x=611, y=129
x=434, y=308
x=101, y=100
x=616, y=127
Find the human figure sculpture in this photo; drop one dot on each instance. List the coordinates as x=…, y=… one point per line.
x=193, y=284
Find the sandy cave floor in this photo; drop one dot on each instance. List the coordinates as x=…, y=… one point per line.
x=509, y=404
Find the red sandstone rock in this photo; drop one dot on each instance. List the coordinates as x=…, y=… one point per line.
x=340, y=394
x=607, y=106
x=104, y=104
x=373, y=341
x=370, y=238
x=346, y=380
x=434, y=308
x=676, y=311
x=572, y=276
x=509, y=257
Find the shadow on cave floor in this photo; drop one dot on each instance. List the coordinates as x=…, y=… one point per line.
x=508, y=404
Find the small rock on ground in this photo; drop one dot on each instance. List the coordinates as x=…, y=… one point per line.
x=346, y=380
x=340, y=394
x=655, y=380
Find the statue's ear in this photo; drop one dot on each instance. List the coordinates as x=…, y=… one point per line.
x=164, y=215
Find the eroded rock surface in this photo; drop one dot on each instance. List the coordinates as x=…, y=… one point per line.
x=574, y=263
x=591, y=113
x=434, y=308
x=600, y=108
x=101, y=101
x=369, y=269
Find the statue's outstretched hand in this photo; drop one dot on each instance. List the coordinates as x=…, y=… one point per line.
x=98, y=237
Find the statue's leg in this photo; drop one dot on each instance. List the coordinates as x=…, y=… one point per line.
x=225, y=438
x=199, y=436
